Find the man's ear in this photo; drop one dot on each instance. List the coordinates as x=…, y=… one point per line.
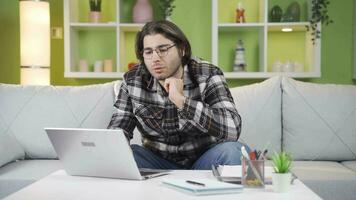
x=183, y=52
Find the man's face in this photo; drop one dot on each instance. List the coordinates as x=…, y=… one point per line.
x=161, y=57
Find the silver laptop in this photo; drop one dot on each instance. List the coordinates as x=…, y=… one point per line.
x=97, y=153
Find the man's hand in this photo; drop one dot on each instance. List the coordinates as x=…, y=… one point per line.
x=174, y=87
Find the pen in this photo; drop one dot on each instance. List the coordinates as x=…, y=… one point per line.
x=252, y=155
x=264, y=151
x=264, y=154
x=195, y=183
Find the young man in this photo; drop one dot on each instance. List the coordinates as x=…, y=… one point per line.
x=182, y=106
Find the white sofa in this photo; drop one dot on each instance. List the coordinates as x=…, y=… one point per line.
x=314, y=122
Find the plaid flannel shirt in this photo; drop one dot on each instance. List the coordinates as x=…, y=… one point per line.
x=208, y=116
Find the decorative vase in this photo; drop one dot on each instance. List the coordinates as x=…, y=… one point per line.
x=94, y=16
x=281, y=182
x=293, y=13
x=98, y=66
x=276, y=14
x=288, y=67
x=142, y=12
x=277, y=66
x=83, y=65
x=108, y=65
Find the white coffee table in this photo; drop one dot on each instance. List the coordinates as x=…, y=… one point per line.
x=59, y=185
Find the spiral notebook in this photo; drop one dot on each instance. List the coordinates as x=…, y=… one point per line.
x=202, y=186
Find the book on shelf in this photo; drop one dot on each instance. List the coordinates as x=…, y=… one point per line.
x=202, y=186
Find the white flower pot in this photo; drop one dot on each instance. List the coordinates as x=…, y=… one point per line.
x=281, y=182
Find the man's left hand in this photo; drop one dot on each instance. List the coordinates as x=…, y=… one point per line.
x=174, y=87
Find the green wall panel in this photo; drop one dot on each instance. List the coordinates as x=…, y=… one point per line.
x=336, y=45
x=194, y=17
x=10, y=42
x=354, y=38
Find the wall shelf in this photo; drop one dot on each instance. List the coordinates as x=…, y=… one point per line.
x=265, y=43
x=111, y=39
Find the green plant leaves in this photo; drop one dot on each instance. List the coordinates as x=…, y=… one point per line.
x=167, y=7
x=281, y=162
x=319, y=14
x=95, y=5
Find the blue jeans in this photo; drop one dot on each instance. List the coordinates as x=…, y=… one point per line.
x=226, y=153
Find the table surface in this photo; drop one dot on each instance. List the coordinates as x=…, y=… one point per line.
x=59, y=185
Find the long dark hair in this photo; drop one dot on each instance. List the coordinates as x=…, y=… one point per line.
x=168, y=30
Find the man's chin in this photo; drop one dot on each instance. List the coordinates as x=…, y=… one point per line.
x=160, y=77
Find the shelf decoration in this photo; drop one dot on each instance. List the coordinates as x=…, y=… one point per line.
x=108, y=65
x=240, y=14
x=167, y=8
x=292, y=13
x=95, y=11
x=239, y=63
x=276, y=13
x=142, y=12
x=319, y=9
x=98, y=66
x=83, y=65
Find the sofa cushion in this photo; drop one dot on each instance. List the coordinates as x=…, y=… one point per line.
x=9, y=147
x=26, y=110
x=350, y=164
x=17, y=175
x=260, y=108
x=330, y=180
x=319, y=120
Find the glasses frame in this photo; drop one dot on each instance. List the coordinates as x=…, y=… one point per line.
x=158, y=52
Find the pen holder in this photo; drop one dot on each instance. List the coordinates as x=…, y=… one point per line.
x=249, y=177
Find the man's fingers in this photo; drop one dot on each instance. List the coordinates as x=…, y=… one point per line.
x=166, y=85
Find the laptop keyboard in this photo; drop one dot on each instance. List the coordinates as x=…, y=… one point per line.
x=144, y=173
x=147, y=172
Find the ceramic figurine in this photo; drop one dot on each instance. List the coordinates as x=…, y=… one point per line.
x=240, y=14
x=239, y=63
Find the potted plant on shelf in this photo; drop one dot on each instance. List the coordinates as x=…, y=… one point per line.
x=167, y=8
x=95, y=11
x=319, y=13
x=281, y=178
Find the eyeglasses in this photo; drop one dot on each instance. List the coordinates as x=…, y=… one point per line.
x=161, y=51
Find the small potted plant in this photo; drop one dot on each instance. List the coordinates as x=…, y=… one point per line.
x=167, y=8
x=95, y=11
x=281, y=178
x=319, y=14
